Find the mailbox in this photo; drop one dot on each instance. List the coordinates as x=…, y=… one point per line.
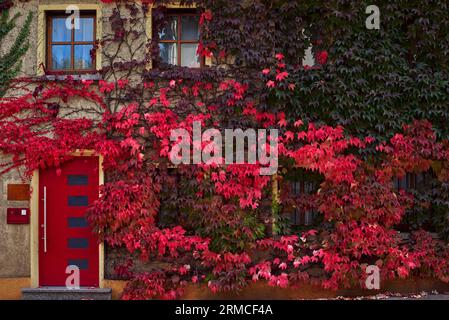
x=18, y=216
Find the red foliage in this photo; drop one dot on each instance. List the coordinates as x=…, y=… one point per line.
x=356, y=195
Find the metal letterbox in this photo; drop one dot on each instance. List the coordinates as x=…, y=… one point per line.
x=18, y=215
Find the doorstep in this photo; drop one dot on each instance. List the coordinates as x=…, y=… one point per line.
x=63, y=293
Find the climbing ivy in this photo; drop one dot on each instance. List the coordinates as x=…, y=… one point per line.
x=11, y=60
x=353, y=122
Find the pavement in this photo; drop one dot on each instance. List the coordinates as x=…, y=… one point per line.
x=434, y=295
x=425, y=297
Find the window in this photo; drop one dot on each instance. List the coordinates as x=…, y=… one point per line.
x=300, y=217
x=179, y=39
x=70, y=50
x=424, y=214
x=411, y=181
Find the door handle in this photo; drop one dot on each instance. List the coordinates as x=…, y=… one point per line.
x=45, y=220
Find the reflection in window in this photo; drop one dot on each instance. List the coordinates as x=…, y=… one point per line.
x=189, y=58
x=170, y=31
x=61, y=57
x=86, y=30
x=60, y=33
x=169, y=52
x=179, y=39
x=83, y=60
x=190, y=28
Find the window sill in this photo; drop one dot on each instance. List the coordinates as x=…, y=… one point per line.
x=77, y=77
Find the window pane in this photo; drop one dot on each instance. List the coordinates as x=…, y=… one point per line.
x=75, y=222
x=170, y=30
x=60, y=32
x=83, y=264
x=83, y=60
x=60, y=55
x=86, y=30
x=190, y=28
x=189, y=58
x=77, y=243
x=77, y=180
x=169, y=53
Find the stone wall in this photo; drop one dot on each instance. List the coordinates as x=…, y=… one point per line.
x=14, y=238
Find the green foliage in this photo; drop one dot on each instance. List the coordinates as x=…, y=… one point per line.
x=431, y=207
x=282, y=224
x=228, y=227
x=11, y=61
x=376, y=80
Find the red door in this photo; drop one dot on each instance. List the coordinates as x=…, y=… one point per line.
x=64, y=235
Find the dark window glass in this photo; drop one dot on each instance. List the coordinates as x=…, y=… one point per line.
x=83, y=264
x=74, y=222
x=190, y=28
x=179, y=40
x=78, y=201
x=77, y=243
x=77, y=180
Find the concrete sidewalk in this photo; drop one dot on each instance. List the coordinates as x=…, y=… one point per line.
x=434, y=295
x=424, y=297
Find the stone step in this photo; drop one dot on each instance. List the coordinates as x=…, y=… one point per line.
x=63, y=293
